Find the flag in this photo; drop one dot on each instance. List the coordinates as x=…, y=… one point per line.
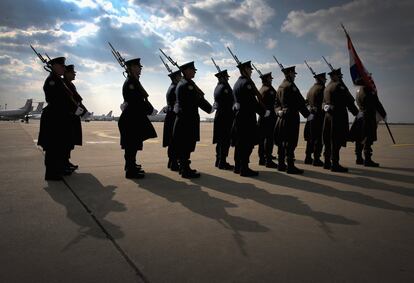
x=357, y=69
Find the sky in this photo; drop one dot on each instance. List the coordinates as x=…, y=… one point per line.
x=293, y=31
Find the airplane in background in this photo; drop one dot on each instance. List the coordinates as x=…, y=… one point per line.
x=16, y=114
x=158, y=116
x=90, y=117
x=36, y=114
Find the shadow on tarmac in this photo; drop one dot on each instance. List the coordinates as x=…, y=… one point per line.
x=276, y=201
x=99, y=202
x=361, y=182
x=380, y=174
x=286, y=180
x=200, y=202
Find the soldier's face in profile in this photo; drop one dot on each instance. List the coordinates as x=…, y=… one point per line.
x=248, y=72
x=189, y=73
x=59, y=69
x=136, y=70
x=70, y=75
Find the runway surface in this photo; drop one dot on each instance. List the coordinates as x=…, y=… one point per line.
x=97, y=226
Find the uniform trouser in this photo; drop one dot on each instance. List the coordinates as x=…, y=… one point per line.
x=222, y=150
x=286, y=151
x=366, y=147
x=266, y=148
x=171, y=152
x=331, y=152
x=130, y=156
x=314, y=147
x=55, y=160
x=242, y=152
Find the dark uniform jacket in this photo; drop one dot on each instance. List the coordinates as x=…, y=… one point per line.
x=364, y=128
x=223, y=120
x=170, y=116
x=314, y=99
x=186, y=130
x=336, y=124
x=245, y=129
x=55, y=122
x=291, y=102
x=134, y=125
x=267, y=124
x=75, y=120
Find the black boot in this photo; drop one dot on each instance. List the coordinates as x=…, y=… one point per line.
x=187, y=172
x=134, y=173
x=292, y=169
x=245, y=171
x=52, y=176
x=308, y=159
x=336, y=167
x=174, y=165
x=359, y=160
x=327, y=164
x=317, y=162
x=282, y=165
x=216, y=164
x=236, y=167
x=223, y=164
x=262, y=162
x=370, y=163
x=270, y=163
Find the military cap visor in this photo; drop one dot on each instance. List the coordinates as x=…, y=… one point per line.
x=222, y=74
x=174, y=74
x=189, y=65
x=57, y=60
x=134, y=62
x=289, y=69
x=335, y=72
x=247, y=64
x=70, y=68
x=320, y=76
x=266, y=76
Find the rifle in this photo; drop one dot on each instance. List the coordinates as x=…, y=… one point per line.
x=166, y=65
x=255, y=90
x=258, y=71
x=217, y=67
x=310, y=69
x=174, y=63
x=280, y=65
x=48, y=68
x=119, y=59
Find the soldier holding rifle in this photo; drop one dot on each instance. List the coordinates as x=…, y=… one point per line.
x=245, y=131
x=134, y=125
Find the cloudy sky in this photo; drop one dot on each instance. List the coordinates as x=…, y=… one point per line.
x=294, y=30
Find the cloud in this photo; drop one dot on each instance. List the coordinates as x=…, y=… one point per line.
x=271, y=43
x=243, y=20
x=381, y=31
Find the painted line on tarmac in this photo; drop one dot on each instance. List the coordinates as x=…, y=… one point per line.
x=102, y=134
x=402, y=144
x=108, y=235
x=100, y=142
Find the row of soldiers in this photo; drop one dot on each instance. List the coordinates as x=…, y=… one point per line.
x=326, y=110
x=235, y=121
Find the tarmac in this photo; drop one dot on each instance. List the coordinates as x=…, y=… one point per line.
x=97, y=226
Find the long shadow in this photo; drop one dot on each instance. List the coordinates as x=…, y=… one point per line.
x=200, y=202
x=362, y=182
x=99, y=202
x=399, y=168
x=382, y=175
x=276, y=201
x=313, y=187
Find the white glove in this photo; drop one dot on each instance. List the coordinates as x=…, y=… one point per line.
x=212, y=110
x=236, y=106
x=267, y=113
x=328, y=107
x=280, y=113
x=360, y=115
x=79, y=111
x=310, y=117
x=123, y=105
